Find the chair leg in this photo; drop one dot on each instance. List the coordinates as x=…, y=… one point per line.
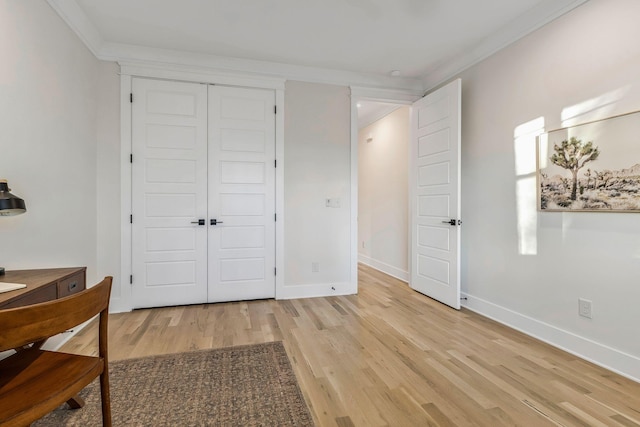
x=76, y=402
x=106, y=399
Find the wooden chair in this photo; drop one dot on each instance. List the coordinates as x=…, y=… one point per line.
x=33, y=382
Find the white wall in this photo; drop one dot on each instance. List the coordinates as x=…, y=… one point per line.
x=108, y=176
x=524, y=267
x=48, y=110
x=383, y=194
x=317, y=167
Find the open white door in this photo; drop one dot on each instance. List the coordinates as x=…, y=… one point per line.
x=435, y=195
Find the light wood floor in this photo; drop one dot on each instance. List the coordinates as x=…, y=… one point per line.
x=392, y=357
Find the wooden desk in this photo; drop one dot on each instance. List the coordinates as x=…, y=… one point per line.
x=42, y=285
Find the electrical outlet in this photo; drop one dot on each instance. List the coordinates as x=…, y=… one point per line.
x=584, y=308
x=315, y=267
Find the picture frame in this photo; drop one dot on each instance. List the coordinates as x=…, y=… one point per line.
x=591, y=167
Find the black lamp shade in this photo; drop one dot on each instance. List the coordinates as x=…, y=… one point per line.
x=10, y=204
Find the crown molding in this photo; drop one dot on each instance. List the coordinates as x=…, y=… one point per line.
x=535, y=18
x=199, y=75
x=77, y=20
x=394, y=97
x=397, y=96
x=79, y=23
x=174, y=58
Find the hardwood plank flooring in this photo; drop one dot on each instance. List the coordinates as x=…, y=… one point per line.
x=390, y=356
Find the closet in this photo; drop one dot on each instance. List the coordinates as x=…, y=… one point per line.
x=203, y=193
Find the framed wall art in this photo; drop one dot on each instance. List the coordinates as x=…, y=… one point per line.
x=591, y=167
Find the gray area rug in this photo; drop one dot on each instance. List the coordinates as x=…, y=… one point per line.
x=251, y=385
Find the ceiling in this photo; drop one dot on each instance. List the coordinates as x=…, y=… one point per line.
x=371, y=111
x=344, y=41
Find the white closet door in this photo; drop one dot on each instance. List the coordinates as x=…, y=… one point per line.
x=435, y=195
x=241, y=194
x=169, y=193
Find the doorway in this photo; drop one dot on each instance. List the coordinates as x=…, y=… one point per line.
x=433, y=202
x=383, y=155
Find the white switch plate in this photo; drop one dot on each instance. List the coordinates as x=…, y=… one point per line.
x=332, y=202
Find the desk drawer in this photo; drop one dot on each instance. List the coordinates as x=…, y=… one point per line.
x=71, y=285
x=43, y=294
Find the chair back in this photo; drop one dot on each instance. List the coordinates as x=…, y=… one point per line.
x=24, y=325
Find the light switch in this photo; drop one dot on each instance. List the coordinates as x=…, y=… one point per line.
x=333, y=203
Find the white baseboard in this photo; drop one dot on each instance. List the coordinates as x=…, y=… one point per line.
x=609, y=358
x=316, y=290
x=385, y=268
x=119, y=305
x=54, y=343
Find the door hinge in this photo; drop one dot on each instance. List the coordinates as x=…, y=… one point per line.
x=131, y=279
x=130, y=158
x=131, y=97
x=130, y=219
x=275, y=163
x=275, y=217
x=275, y=271
x=275, y=109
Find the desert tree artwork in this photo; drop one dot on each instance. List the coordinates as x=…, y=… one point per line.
x=591, y=167
x=573, y=155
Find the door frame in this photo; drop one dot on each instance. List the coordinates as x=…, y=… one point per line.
x=121, y=297
x=359, y=93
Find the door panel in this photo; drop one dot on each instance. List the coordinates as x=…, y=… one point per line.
x=435, y=195
x=169, y=173
x=241, y=189
x=202, y=153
